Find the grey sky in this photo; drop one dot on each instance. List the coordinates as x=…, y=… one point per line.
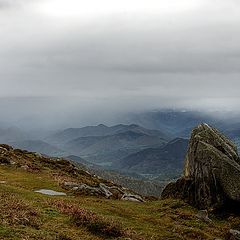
x=59, y=57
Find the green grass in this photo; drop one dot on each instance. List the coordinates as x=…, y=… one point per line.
x=36, y=216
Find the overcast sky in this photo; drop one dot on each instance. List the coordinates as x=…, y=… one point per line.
x=89, y=60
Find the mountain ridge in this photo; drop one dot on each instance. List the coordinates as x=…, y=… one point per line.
x=168, y=157
x=99, y=130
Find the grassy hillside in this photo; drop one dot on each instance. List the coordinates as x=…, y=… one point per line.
x=25, y=214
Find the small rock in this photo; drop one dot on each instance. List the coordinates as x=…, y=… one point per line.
x=203, y=215
x=38, y=154
x=70, y=185
x=105, y=190
x=114, y=192
x=50, y=192
x=88, y=190
x=25, y=167
x=5, y=160
x=2, y=182
x=235, y=234
x=132, y=197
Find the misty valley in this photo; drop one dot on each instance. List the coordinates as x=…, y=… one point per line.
x=143, y=155
x=125, y=181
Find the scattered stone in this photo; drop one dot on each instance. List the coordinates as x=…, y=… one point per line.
x=2, y=182
x=88, y=190
x=4, y=160
x=203, y=215
x=103, y=190
x=132, y=197
x=38, y=154
x=235, y=234
x=5, y=148
x=50, y=192
x=70, y=185
x=25, y=167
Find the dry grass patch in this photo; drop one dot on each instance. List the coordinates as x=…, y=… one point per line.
x=94, y=223
x=15, y=211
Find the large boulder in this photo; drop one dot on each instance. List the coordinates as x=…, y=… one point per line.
x=211, y=176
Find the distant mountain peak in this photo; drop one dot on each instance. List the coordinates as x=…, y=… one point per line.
x=133, y=125
x=102, y=125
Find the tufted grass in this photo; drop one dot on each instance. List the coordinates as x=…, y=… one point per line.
x=25, y=214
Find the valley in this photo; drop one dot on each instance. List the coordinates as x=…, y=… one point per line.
x=132, y=155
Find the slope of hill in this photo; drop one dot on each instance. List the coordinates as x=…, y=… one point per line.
x=40, y=147
x=163, y=160
x=132, y=181
x=28, y=214
x=77, y=159
x=140, y=185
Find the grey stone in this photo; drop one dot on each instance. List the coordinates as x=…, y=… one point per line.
x=50, y=192
x=235, y=234
x=132, y=197
x=105, y=190
x=211, y=173
x=114, y=191
x=203, y=215
x=70, y=185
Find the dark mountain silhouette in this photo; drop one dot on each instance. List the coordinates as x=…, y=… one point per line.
x=165, y=159
x=113, y=147
x=69, y=134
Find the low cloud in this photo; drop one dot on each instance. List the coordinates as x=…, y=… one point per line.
x=77, y=66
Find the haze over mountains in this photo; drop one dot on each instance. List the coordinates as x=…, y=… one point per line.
x=153, y=147
x=179, y=123
x=165, y=161
x=102, y=144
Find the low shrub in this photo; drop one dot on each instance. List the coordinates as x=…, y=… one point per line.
x=15, y=211
x=4, y=160
x=90, y=220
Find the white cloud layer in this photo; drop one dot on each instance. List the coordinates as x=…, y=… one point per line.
x=118, y=55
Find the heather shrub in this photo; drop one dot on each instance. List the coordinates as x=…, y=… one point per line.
x=93, y=222
x=15, y=211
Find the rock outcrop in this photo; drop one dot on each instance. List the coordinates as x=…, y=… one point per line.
x=211, y=177
x=113, y=192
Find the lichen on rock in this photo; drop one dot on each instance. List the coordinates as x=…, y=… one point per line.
x=211, y=175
